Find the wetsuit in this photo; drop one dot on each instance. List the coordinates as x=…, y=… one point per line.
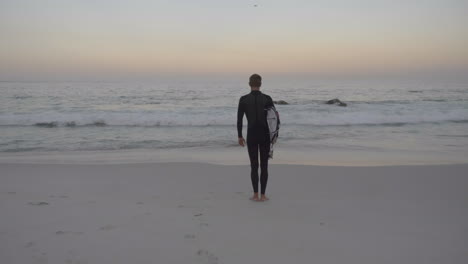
x=258, y=140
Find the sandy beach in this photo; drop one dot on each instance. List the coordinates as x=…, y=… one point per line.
x=200, y=213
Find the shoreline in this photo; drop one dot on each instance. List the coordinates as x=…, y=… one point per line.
x=235, y=156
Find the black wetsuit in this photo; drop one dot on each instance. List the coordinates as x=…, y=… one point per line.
x=258, y=140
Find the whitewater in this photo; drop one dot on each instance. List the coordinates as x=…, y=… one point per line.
x=382, y=115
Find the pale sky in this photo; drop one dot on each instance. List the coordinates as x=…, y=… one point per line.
x=220, y=36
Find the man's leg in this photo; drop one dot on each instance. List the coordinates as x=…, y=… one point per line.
x=264, y=152
x=252, y=147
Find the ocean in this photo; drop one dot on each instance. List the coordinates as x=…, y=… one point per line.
x=400, y=118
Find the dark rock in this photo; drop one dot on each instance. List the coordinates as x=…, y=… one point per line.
x=99, y=123
x=281, y=102
x=336, y=101
x=47, y=124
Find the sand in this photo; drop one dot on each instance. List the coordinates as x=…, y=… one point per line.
x=200, y=213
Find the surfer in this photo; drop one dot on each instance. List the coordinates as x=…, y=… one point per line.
x=253, y=105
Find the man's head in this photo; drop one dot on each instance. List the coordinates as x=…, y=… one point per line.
x=255, y=81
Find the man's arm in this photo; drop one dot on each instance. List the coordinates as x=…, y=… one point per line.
x=240, y=117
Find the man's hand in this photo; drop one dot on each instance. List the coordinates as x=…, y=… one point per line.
x=241, y=141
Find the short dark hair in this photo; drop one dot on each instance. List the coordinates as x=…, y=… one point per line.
x=255, y=80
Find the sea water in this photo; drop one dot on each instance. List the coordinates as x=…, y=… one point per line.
x=401, y=117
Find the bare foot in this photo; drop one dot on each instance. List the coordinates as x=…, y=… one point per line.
x=264, y=198
x=255, y=197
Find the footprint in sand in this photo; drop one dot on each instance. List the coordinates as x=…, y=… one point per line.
x=60, y=232
x=207, y=257
x=30, y=244
x=38, y=203
x=107, y=227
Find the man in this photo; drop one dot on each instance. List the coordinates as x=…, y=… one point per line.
x=258, y=139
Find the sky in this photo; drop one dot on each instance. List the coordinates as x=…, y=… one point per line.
x=220, y=36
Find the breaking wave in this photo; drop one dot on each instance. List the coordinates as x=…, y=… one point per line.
x=290, y=115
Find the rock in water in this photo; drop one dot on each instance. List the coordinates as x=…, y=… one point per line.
x=336, y=101
x=280, y=102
